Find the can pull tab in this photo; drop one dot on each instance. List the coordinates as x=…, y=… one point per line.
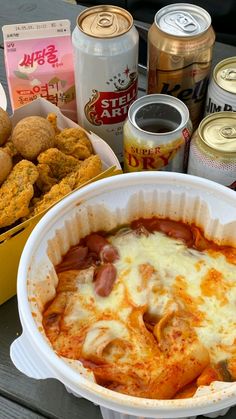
x=228, y=132
x=105, y=19
x=228, y=74
x=104, y=24
x=182, y=20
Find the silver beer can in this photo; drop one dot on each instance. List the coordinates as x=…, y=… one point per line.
x=105, y=43
x=221, y=94
x=213, y=149
x=157, y=134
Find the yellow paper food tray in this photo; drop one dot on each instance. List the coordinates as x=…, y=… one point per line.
x=13, y=240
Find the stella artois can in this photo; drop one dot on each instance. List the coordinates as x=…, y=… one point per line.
x=157, y=134
x=221, y=94
x=106, y=71
x=180, y=44
x=213, y=149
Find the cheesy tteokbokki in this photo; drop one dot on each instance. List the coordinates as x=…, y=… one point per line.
x=149, y=308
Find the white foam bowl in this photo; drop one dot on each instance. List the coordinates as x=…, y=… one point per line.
x=101, y=205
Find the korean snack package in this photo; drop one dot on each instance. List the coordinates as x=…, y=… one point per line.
x=39, y=62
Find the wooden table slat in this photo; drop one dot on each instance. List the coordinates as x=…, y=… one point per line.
x=11, y=410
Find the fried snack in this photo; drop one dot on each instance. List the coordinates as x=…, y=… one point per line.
x=57, y=192
x=5, y=165
x=5, y=126
x=90, y=168
x=46, y=179
x=16, y=192
x=10, y=149
x=52, y=118
x=75, y=142
x=59, y=163
x=32, y=135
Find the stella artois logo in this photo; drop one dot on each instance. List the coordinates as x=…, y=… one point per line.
x=111, y=107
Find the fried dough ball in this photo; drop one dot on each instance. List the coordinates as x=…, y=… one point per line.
x=5, y=165
x=32, y=135
x=5, y=126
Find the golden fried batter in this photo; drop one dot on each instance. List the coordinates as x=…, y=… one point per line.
x=16, y=192
x=32, y=135
x=75, y=142
x=90, y=168
x=55, y=194
x=46, y=179
x=5, y=165
x=5, y=126
x=52, y=118
x=59, y=163
x=10, y=149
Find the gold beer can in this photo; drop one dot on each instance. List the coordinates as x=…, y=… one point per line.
x=221, y=93
x=212, y=152
x=180, y=44
x=156, y=134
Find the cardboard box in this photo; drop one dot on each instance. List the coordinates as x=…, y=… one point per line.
x=13, y=240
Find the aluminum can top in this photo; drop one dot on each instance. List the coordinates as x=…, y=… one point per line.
x=154, y=106
x=105, y=21
x=218, y=131
x=183, y=20
x=224, y=74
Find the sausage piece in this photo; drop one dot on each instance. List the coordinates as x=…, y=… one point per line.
x=75, y=258
x=105, y=277
x=101, y=246
x=175, y=229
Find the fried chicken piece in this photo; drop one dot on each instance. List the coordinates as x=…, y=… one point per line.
x=90, y=168
x=75, y=142
x=46, y=179
x=16, y=192
x=52, y=118
x=59, y=163
x=57, y=192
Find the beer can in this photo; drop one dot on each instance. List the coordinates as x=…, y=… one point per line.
x=221, y=93
x=180, y=44
x=105, y=43
x=213, y=149
x=157, y=134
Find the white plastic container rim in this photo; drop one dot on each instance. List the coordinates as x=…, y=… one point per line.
x=34, y=357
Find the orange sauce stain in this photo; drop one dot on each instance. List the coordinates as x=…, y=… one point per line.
x=213, y=284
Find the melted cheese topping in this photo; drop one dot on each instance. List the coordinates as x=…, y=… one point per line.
x=202, y=283
x=185, y=297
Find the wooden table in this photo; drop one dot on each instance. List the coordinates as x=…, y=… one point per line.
x=22, y=397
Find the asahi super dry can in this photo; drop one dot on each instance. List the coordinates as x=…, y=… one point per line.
x=221, y=94
x=106, y=60
x=180, y=44
x=157, y=134
x=213, y=149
